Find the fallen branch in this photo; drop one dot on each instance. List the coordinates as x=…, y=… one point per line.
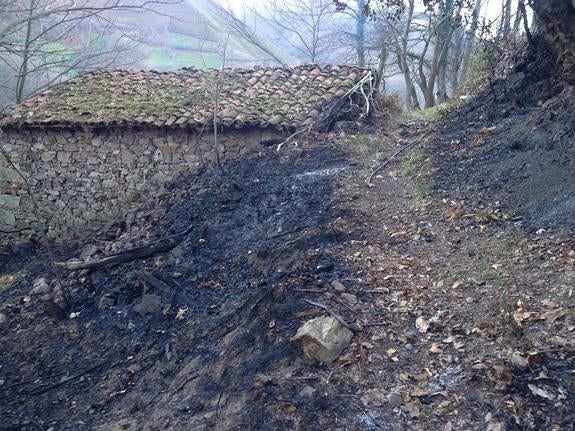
x=311, y=290
x=69, y=378
x=156, y=283
x=397, y=153
x=26, y=419
x=160, y=246
x=290, y=137
x=336, y=316
x=338, y=103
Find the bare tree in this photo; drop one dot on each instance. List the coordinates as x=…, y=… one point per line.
x=505, y=23
x=358, y=12
x=471, y=38
x=305, y=25
x=424, y=45
x=43, y=42
x=243, y=25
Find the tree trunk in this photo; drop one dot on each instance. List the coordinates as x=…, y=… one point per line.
x=506, y=19
x=360, y=32
x=457, y=55
x=442, y=83
x=383, y=54
x=23, y=72
x=409, y=89
x=411, y=102
x=556, y=19
x=470, y=48
x=414, y=100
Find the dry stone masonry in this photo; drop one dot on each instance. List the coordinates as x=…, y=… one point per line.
x=82, y=179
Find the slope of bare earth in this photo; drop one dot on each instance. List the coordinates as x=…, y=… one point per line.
x=466, y=318
x=515, y=142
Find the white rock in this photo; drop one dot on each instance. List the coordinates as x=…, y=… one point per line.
x=323, y=339
x=338, y=286
x=350, y=298
x=40, y=287
x=519, y=361
x=88, y=251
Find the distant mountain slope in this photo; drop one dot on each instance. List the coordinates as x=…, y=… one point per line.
x=193, y=34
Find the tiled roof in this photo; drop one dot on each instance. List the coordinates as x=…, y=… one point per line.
x=279, y=98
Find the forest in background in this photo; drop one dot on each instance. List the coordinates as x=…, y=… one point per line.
x=423, y=51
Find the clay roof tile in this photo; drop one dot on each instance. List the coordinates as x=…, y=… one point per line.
x=264, y=97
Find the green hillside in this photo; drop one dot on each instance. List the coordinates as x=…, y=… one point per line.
x=194, y=35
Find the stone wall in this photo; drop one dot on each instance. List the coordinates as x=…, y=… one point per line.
x=83, y=179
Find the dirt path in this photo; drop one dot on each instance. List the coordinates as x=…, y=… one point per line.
x=466, y=320
x=474, y=315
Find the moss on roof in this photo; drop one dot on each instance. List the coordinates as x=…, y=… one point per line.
x=280, y=98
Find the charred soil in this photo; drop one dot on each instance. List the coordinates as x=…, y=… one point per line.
x=465, y=318
x=515, y=141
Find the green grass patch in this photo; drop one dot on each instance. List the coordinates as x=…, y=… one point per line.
x=61, y=58
x=185, y=42
x=161, y=60
x=158, y=59
x=476, y=75
x=201, y=61
x=416, y=165
x=431, y=114
x=98, y=42
x=413, y=162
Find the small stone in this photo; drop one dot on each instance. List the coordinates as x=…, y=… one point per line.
x=394, y=399
x=88, y=251
x=422, y=324
x=350, y=298
x=338, y=286
x=63, y=157
x=48, y=156
x=150, y=304
x=40, y=287
x=106, y=301
x=323, y=339
x=518, y=361
x=435, y=349
x=307, y=391
x=161, y=178
x=134, y=368
x=3, y=318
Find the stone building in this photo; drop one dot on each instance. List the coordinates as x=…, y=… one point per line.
x=89, y=147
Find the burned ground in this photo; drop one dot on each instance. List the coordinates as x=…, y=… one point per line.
x=465, y=318
x=258, y=229
x=514, y=143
